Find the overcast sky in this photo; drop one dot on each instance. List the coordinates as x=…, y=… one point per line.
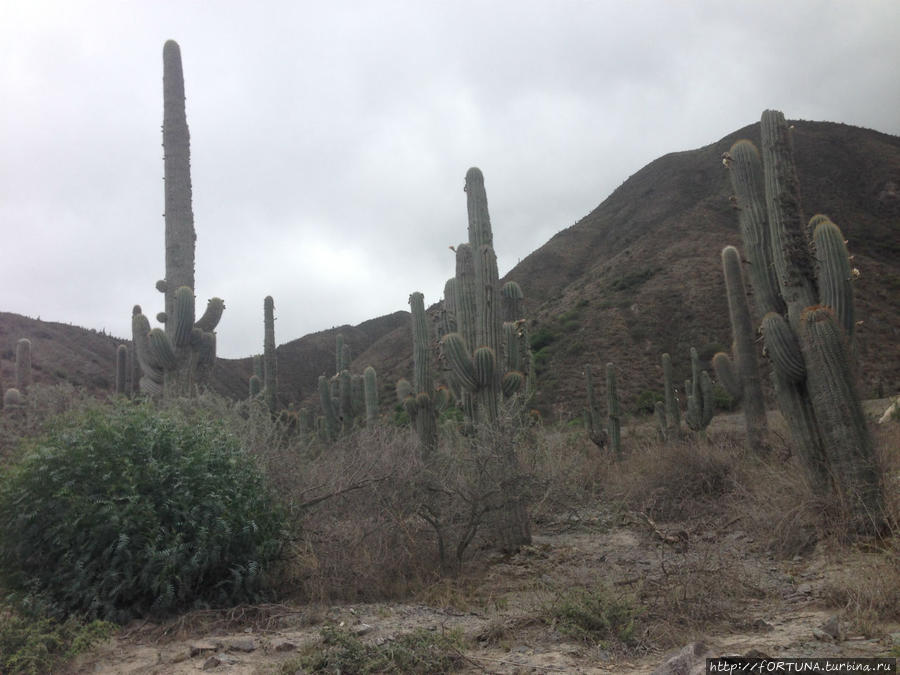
x=329, y=140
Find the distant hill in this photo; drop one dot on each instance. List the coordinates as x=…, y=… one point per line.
x=638, y=276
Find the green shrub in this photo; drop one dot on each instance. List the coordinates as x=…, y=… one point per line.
x=646, y=402
x=124, y=511
x=36, y=646
x=543, y=337
x=594, y=616
x=421, y=651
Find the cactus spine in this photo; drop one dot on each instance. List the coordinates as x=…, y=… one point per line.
x=808, y=327
x=740, y=377
x=182, y=357
x=270, y=358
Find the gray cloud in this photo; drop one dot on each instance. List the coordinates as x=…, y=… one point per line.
x=329, y=144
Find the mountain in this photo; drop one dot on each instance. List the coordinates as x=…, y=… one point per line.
x=638, y=276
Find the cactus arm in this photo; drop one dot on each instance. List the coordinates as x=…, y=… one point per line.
x=211, y=317
x=746, y=180
x=461, y=364
x=744, y=385
x=790, y=249
x=834, y=271
x=162, y=352
x=183, y=317
x=782, y=347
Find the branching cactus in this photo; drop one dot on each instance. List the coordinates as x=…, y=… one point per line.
x=370, y=385
x=23, y=365
x=613, y=412
x=808, y=326
x=474, y=352
x=182, y=357
x=270, y=357
x=175, y=364
x=740, y=375
x=700, y=400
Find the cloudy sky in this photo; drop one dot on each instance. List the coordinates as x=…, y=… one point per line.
x=329, y=140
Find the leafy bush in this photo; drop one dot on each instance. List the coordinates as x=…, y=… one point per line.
x=125, y=511
x=41, y=645
x=645, y=404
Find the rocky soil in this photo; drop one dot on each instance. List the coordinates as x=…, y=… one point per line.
x=705, y=588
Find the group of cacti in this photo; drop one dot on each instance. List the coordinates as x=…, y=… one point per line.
x=346, y=397
x=14, y=397
x=803, y=286
x=483, y=337
x=699, y=401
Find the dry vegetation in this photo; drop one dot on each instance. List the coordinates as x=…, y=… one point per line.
x=630, y=558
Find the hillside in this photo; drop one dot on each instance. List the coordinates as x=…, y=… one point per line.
x=638, y=276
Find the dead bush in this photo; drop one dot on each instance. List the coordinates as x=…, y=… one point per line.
x=675, y=481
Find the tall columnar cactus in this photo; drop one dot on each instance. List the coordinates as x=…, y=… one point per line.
x=740, y=377
x=270, y=358
x=673, y=412
x=613, y=412
x=181, y=357
x=121, y=370
x=595, y=429
x=474, y=353
x=700, y=400
x=809, y=325
x=370, y=386
x=23, y=365
x=422, y=401
x=328, y=413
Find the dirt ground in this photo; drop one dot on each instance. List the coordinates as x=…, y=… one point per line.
x=697, y=581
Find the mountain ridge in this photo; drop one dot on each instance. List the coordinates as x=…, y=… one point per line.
x=638, y=275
